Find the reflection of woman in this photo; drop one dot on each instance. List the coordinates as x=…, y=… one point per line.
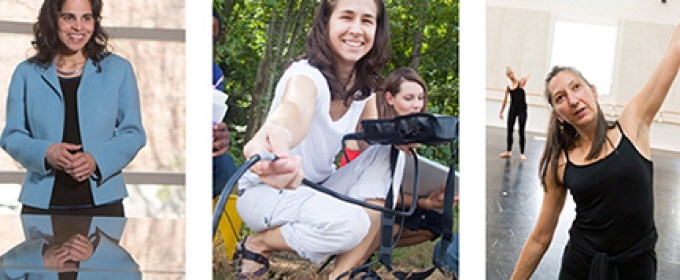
x=73, y=118
x=69, y=247
x=317, y=101
x=606, y=167
x=516, y=113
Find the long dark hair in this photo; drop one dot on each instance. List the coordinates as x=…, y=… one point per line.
x=320, y=54
x=392, y=84
x=46, y=39
x=562, y=136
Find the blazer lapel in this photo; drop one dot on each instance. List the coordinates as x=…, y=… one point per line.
x=49, y=75
x=89, y=70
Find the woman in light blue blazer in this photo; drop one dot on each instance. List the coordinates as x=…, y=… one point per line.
x=73, y=117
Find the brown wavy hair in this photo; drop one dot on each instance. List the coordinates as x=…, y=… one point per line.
x=46, y=39
x=392, y=84
x=562, y=136
x=320, y=54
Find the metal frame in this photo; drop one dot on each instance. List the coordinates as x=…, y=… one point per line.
x=131, y=178
x=134, y=33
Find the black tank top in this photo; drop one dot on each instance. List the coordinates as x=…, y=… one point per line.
x=614, y=199
x=517, y=99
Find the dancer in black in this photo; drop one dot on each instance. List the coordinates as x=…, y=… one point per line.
x=607, y=168
x=517, y=111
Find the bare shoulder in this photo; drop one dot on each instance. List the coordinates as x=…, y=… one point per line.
x=523, y=80
x=370, y=109
x=637, y=134
x=559, y=181
x=302, y=86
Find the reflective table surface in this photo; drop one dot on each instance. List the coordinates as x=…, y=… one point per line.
x=83, y=247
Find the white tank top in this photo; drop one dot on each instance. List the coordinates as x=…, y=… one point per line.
x=324, y=140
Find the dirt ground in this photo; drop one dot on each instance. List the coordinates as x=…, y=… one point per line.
x=289, y=266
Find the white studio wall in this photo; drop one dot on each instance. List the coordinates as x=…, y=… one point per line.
x=521, y=34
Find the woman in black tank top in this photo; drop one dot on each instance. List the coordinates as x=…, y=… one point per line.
x=516, y=112
x=606, y=167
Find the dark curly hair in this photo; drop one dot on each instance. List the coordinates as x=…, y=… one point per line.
x=46, y=38
x=320, y=54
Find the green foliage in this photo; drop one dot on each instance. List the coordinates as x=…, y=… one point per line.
x=438, y=60
x=241, y=48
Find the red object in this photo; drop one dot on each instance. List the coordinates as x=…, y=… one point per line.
x=351, y=154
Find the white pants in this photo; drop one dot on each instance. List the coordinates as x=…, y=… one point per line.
x=317, y=225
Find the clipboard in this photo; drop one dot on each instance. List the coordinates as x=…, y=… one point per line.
x=432, y=176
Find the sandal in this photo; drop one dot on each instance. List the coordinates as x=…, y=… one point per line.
x=370, y=274
x=258, y=258
x=403, y=275
x=367, y=274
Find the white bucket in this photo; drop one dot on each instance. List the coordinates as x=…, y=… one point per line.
x=219, y=101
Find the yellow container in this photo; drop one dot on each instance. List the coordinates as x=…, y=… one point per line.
x=229, y=228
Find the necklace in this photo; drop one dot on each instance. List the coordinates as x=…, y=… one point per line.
x=69, y=73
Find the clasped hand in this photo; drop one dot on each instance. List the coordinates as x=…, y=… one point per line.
x=60, y=258
x=72, y=160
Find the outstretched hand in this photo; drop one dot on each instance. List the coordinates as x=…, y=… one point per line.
x=283, y=173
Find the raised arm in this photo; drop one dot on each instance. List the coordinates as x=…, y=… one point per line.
x=286, y=126
x=637, y=116
x=523, y=80
x=541, y=236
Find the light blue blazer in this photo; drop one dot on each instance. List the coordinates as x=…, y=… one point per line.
x=110, y=125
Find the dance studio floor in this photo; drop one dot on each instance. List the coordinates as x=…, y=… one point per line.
x=513, y=201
